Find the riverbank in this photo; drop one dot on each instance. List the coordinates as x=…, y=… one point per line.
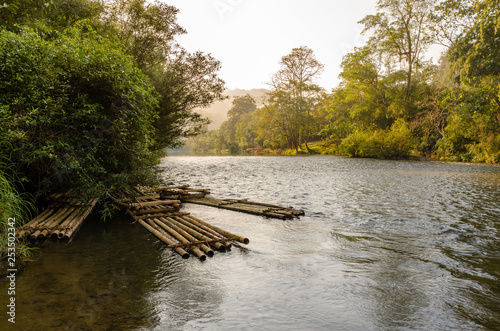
x=317, y=148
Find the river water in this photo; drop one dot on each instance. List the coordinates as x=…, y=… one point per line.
x=384, y=245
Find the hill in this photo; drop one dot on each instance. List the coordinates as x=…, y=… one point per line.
x=217, y=112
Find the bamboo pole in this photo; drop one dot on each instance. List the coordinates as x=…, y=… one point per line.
x=162, y=222
x=219, y=246
x=40, y=224
x=48, y=226
x=138, y=205
x=172, y=187
x=42, y=215
x=176, y=242
x=39, y=227
x=238, y=207
x=180, y=235
x=243, y=240
x=65, y=225
x=140, y=198
x=78, y=221
x=177, y=245
x=290, y=209
x=154, y=211
x=194, y=235
x=163, y=238
x=215, y=234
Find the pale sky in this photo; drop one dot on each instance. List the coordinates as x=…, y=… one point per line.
x=249, y=37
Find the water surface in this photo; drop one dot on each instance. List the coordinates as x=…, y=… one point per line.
x=384, y=245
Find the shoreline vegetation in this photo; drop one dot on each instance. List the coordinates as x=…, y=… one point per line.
x=315, y=148
x=391, y=102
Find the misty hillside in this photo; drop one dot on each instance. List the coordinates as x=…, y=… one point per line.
x=217, y=112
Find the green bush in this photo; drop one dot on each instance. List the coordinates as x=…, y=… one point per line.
x=74, y=112
x=396, y=142
x=473, y=130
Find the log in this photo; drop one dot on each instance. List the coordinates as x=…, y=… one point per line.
x=243, y=240
x=40, y=216
x=166, y=225
x=215, y=234
x=172, y=187
x=163, y=238
x=78, y=221
x=138, y=205
x=140, y=198
x=206, y=234
x=195, y=235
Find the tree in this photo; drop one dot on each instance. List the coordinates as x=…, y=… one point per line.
x=401, y=29
x=184, y=80
x=245, y=133
x=241, y=105
x=74, y=112
x=476, y=55
x=295, y=95
x=451, y=18
x=49, y=17
x=473, y=132
x=363, y=80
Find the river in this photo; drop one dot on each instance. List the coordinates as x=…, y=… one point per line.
x=384, y=245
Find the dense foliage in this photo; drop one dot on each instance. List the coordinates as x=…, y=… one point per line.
x=75, y=111
x=391, y=102
x=92, y=92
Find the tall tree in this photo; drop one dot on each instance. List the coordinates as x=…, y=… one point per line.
x=473, y=132
x=401, y=29
x=184, y=80
x=296, y=94
x=241, y=105
x=450, y=19
x=477, y=54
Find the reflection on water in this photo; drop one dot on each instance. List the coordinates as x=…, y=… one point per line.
x=383, y=245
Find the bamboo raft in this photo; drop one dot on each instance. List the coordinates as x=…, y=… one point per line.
x=180, y=231
x=61, y=220
x=198, y=196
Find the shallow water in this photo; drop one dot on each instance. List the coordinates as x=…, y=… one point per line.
x=384, y=245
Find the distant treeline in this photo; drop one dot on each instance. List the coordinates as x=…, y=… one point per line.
x=391, y=102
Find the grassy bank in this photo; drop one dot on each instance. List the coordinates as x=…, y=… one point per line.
x=15, y=210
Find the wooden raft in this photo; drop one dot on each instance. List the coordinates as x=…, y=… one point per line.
x=180, y=231
x=198, y=196
x=61, y=220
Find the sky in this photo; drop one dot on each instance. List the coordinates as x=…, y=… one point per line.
x=249, y=37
